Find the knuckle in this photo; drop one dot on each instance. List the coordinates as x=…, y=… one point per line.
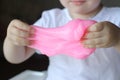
x=19, y=24
x=25, y=27
x=14, y=21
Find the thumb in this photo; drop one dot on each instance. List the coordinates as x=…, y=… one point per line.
x=96, y=27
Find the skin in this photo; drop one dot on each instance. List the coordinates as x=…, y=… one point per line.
x=15, y=44
x=100, y=35
x=82, y=9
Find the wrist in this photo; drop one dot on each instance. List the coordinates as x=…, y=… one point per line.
x=117, y=46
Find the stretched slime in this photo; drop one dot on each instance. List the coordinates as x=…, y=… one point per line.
x=63, y=39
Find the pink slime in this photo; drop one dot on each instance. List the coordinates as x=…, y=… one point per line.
x=62, y=40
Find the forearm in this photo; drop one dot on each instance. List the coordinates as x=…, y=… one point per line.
x=16, y=54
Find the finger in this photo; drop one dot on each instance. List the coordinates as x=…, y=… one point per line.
x=96, y=46
x=98, y=42
x=93, y=41
x=22, y=42
x=92, y=35
x=18, y=32
x=20, y=25
x=95, y=27
x=19, y=41
x=89, y=46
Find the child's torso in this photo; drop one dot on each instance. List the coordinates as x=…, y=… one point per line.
x=103, y=64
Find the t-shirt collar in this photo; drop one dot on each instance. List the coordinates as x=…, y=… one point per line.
x=96, y=16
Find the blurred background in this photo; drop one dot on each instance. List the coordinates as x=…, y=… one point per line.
x=28, y=11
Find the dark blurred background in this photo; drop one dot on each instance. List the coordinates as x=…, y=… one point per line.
x=28, y=11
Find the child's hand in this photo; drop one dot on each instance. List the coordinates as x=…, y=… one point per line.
x=17, y=33
x=103, y=34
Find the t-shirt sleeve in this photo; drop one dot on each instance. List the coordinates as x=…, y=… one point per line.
x=42, y=20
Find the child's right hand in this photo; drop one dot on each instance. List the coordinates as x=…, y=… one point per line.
x=18, y=32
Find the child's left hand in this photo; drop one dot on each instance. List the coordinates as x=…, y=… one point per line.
x=102, y=35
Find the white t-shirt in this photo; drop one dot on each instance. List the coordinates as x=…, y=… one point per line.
x=103, y=64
